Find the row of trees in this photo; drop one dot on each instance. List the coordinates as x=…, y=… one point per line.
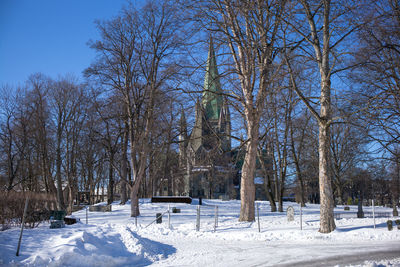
x=314, y=84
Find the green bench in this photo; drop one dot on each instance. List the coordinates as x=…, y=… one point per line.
x=57, y=219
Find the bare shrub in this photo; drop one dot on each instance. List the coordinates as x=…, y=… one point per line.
x=12, y=207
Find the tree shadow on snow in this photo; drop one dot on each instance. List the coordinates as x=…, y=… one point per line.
x=159, y=250
x=348, y=229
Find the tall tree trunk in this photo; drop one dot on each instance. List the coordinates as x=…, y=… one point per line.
x=135, y=212
x=90, y=186
x=300, y=180
x=110, y=188
x=124, y=166
x=166, y=172
x=282, y=189
x=339, y=192
x=138, y=165
x=46, y=172
x=267, y=181
x=60, y=197
x=297, y=166
x=323, y=51
x=70, y=199
x=395, y=185
x=270, y=196
x=302, y=191
x=248, y=189
x=276, y=181
x=327, y=223
x=10, y=162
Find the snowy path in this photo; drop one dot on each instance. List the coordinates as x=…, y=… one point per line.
x=391, y=257
x=215, y=252
x=279, y=243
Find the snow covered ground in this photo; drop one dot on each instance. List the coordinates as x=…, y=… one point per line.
x=113, y=239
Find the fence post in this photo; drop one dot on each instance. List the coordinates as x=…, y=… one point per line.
x=301, y=217
x=198, y=218
x=216, y=218
x=87, y=216
x=169, y=217
x=22, y=225
x=373, y=212
x=258, y=217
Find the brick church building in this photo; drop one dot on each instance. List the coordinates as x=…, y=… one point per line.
x=205, y=156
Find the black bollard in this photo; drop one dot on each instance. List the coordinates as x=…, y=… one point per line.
x=360, y=213
x=390, y=225
x=159, y=217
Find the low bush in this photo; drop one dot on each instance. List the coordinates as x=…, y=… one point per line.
x=398, y=223
x=12, y=205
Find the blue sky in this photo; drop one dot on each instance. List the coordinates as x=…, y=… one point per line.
x=49, y=36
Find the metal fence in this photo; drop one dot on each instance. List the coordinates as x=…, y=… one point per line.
x=348, y=215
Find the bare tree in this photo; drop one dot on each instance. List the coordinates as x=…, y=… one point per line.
x=91, y=152
x=264, y=155
x=38, y=97
x=347, y=151
x=33, y=129
x=322, y=43
x=396, y=183
x=18, y=141
x=136, y=51
x=73, y=142
x=7, y=137
x=379, y=75
x=64, y=99
x=249, y=29
x=279, y=108
x=109, y=134
x=298, y=136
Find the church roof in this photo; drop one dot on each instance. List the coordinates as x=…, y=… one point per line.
x=212, y=99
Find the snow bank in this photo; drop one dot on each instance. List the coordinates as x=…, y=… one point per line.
x=81, y=245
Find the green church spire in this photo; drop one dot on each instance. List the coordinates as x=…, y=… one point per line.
x=212, y=99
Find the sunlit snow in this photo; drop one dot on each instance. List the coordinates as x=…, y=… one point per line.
x=113, y=239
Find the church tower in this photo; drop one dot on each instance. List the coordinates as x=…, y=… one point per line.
x=212, y=99
x=212, y=127
x=208, y=151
